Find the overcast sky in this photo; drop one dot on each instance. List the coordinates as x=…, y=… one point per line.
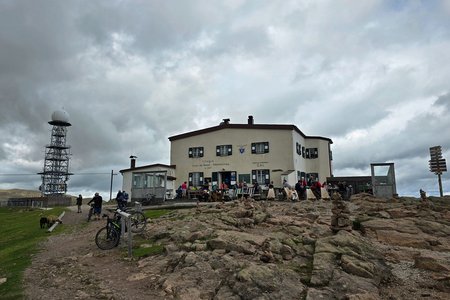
x=374, y=76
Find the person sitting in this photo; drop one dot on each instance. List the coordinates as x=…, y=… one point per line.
x=294, y=195
x=271, y=193
x=179, y=192
x=287, y=193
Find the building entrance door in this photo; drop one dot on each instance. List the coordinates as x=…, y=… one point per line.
x=228, y=177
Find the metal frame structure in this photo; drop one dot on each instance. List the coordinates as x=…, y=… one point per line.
x=383, y=180
x=56, y=163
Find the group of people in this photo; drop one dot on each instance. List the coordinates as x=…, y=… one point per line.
x=299, y=191
x=294, y=193
x=122, y=199
x=212, y=192
x=97, y=202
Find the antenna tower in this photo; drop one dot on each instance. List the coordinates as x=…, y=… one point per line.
x=57, y=154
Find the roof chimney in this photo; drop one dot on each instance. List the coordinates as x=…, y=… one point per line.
x=133, y=162
x=250, y=120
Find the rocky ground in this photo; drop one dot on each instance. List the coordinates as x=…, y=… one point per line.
x=394, y=249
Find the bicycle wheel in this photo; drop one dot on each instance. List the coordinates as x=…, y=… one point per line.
x=107, y=238
x=138, y=222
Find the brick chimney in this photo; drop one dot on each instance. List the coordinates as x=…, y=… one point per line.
x=250, y=120
x=133, y=162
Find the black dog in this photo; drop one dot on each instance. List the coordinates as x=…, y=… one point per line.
x=43, y=222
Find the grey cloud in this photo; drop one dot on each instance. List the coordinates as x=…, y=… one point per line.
x=340, y=72
x=444, y=100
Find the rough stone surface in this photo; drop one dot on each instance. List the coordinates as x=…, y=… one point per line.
x=258, y=250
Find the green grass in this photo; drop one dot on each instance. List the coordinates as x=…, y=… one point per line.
x=153, y=214
x=154, y=249
x=150, y=249
x=19, y=240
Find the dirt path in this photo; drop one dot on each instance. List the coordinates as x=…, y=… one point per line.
x=70, y=265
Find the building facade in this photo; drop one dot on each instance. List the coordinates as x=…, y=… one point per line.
x=155, y=179
x=232, y=153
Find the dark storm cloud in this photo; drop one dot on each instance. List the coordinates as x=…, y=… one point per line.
x=444, y=101
x=130, y=74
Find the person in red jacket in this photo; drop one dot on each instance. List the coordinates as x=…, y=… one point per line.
x=316, y=190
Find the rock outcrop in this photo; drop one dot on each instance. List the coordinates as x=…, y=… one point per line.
x=385, y=249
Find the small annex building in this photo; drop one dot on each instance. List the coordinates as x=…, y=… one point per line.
x=154, y=179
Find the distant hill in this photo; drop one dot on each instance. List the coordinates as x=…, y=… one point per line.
x=18, y=193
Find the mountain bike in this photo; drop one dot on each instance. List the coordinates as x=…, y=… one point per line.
x=137, y=218
x=91, y=212
x=108, y=237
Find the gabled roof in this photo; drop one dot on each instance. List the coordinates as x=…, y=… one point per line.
x=148, y=166
x=245, y=126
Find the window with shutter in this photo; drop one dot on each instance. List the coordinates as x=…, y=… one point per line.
x=224, y=150
x=196, y=152
x=261, y=176
x=260, y=148
x=196, y=179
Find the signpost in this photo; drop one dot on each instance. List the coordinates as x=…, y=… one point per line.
x=437, y=164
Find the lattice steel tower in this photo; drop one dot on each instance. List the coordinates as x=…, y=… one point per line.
x=57, y=154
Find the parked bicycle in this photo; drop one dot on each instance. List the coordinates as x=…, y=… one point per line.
x=137, y=218
x=149, y=199
x=108, y=237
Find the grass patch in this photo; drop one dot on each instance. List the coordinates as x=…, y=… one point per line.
x=143, y=248
x=153, y=214
x=19, y=240
x=148, y=250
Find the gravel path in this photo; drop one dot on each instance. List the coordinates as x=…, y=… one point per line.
x=70, y=266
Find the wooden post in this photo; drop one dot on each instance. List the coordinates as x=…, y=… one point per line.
x=57, y=222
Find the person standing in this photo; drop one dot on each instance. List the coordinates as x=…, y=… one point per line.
x=79, y=203
x=184, y=189
x=98, y=201
x=271, y=192
x=299, y=189
x=119, y=199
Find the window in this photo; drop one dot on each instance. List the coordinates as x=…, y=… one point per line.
x=154, y=180
x=196, y=152
x=312, y=177
x=312, y=153
x=303, y=152
x=138, y=181
x=196, y=179
x=223, y=150
x=261, y=176
x=298, y=148
x=260, y=148
x=301, y=174
x=244, y=177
